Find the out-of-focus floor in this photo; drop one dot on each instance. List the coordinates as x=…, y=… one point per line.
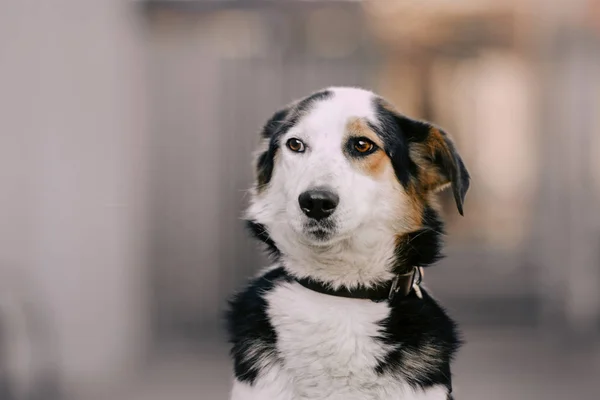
x=495, y=364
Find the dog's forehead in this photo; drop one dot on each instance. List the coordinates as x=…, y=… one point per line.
x=330, y=116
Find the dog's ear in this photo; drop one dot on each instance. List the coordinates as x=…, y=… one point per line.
x=438, y=163
x=265, y=159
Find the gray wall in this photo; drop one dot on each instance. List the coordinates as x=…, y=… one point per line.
x=72, y=176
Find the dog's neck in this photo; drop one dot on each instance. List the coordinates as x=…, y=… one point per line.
x=349, y=263
x=365, y=260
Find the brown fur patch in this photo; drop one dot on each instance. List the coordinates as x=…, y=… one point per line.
x=374, y=164
x=436, y=141
x=414, y=214
x=359, y=127
x=430, y=178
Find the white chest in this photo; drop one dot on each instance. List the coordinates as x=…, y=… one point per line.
x=328, y=347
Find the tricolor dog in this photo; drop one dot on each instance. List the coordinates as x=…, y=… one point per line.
x=344, y=200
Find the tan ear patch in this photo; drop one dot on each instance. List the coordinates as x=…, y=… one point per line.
x=430, y=178
x=373, y=164
x=436, y=142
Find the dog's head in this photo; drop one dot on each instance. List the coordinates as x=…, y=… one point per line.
x=342, y=163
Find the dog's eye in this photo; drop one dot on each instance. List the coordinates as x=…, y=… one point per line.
x=363, y=145
x=295, y=145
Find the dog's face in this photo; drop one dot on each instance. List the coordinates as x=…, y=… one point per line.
x=342, y=163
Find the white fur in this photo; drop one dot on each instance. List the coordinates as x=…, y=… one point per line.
x=329, y=352
x=360, y=251
x=243, y=391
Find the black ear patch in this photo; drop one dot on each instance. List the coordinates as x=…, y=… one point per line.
x=450, y=165
x=423, y=152
x=439, y=162
x=389, y=129
x=274, y=123
x=277, y=126
x=266, y=160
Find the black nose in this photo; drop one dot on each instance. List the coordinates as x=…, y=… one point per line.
x=318, y=203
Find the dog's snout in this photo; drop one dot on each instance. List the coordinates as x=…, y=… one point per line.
x=318, y=203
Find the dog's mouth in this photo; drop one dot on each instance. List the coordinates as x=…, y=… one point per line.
x=321, y=231
x=320, y=234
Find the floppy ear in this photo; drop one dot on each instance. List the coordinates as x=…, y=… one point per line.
x=266, y=157
x=438, y=162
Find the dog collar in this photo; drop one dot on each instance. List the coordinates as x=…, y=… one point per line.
x=400, y=286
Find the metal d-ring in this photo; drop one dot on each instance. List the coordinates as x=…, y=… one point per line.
x=417, y=281
x=394, y=287
x=418, y=276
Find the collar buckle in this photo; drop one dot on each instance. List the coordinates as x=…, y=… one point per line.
x=410, y=281
x=417, y=279
x=394, y=288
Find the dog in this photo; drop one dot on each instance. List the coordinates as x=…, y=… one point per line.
x=345, y=203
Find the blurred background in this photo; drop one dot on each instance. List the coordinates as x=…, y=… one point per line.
x=126, y=135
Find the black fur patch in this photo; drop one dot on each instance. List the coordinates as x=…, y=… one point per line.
x=389, y=129
x=457, y=173
x=306, y=103
x=264, y=164
x=277, y=126
x=426, y=340
x=274, y=123
x=259, y=232
x=422, y=247
x=250, y=332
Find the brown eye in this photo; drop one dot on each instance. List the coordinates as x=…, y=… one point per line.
x=295, y=145
x=363, y=146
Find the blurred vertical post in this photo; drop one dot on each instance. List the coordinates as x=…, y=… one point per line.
x=72, y=179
